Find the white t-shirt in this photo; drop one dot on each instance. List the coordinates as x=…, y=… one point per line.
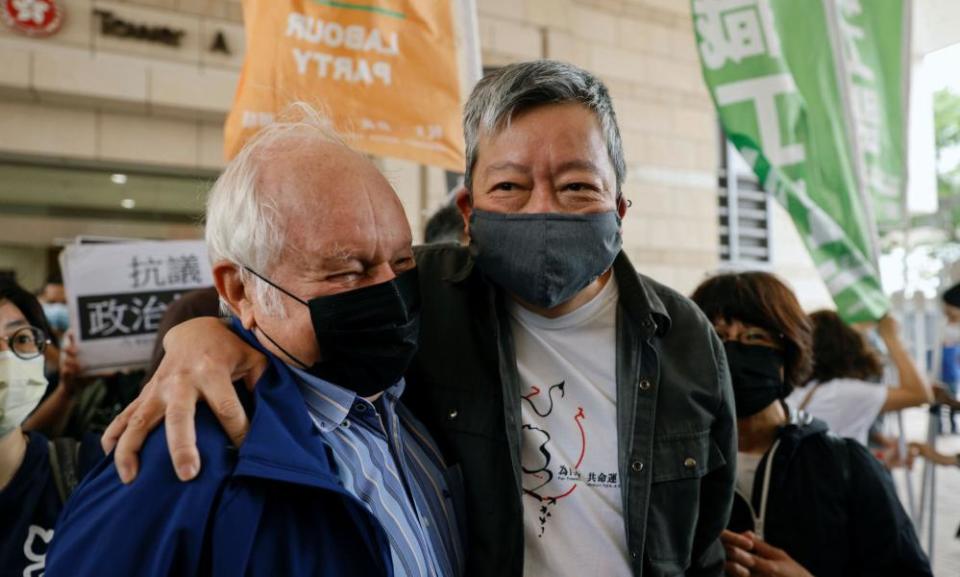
x=573, y=511
x=848, y=406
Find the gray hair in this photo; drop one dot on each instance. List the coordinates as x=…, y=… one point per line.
x=504, y=93
x=243, y=224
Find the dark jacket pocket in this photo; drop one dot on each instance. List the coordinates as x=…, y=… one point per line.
x=679, y=464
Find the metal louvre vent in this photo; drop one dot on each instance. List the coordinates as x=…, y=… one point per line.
x=744, y=212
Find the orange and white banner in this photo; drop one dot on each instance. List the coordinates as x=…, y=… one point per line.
x=386, y=71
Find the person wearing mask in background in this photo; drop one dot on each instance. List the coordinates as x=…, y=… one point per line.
x=808, y=502
x=62, y=370
x=35, y=475
x=53, y=297
x=60, y=397
x=841, y=393
x=335, y=477
x=588, y=406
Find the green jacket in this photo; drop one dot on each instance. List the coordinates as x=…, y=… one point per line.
x=675, y=417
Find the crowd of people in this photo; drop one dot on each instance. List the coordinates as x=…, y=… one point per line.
x=512, y=398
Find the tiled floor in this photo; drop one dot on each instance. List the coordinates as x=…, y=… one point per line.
x=946, y=547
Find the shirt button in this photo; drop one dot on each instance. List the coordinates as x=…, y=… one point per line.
x=345, y=424
x=690, y=463
x=637, y=466
x=644, y=385
x=634, y=554
x=360, y=407
x=453, y=414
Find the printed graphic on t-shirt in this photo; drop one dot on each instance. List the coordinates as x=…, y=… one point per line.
x=572, y=504
x=547, y=478
x=35, y=550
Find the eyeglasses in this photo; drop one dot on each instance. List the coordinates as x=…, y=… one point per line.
x=748, y=335
x=758, y=336
x=27, y=342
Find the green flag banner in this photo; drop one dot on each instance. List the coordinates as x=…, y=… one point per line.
x=810, y=92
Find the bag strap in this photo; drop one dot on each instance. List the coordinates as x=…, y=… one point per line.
x=809, y=397
x=64, y=458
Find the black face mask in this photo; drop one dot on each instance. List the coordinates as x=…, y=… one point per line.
x=545, y=259
x=367, y=336
x=755, y=371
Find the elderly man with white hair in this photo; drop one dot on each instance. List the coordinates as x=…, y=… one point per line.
x=588, y=407
x=311, y=255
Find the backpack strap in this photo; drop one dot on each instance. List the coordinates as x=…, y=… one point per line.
x=809, y=397
x=64, y=457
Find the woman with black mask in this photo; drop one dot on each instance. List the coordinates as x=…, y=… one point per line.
x=807, y=502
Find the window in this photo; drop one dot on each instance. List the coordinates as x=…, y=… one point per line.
x=744, y=211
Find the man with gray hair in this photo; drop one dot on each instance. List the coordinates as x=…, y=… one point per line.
x=589, y=408
x=311, y=254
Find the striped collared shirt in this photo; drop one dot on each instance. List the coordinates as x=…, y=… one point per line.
x=383, y=462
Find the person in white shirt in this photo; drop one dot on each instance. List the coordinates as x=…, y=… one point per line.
x=843, y=392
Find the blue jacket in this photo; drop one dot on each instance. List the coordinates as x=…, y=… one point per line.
x=273, y=507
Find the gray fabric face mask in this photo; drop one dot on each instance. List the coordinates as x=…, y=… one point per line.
x=544, y=259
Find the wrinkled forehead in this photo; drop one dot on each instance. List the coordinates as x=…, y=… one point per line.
x=317, y=179
x=491, y=126
x=566, y=132
x=339, y=207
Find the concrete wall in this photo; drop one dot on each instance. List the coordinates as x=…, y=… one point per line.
x=30, y=264
x=82, y=97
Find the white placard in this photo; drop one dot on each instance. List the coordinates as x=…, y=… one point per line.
x=117, y=293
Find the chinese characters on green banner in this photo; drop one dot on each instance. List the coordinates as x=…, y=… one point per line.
x=811, y=94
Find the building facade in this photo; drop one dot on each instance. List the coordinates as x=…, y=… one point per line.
x=113, y=127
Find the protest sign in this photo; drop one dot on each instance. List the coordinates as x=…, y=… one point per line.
x=117, y=294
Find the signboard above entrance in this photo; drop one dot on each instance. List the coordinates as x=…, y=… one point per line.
x=32, y=17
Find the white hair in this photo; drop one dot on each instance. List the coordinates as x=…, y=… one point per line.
x=243, y=223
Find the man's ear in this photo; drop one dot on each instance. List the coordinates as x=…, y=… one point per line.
x=233, y=291
x=622, y=205
x=465, y=204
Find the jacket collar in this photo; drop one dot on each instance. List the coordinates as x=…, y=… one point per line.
x=639, y=298
x=462, y=270
x=283, y=443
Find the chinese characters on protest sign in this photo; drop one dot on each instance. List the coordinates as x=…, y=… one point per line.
x=118, y=293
